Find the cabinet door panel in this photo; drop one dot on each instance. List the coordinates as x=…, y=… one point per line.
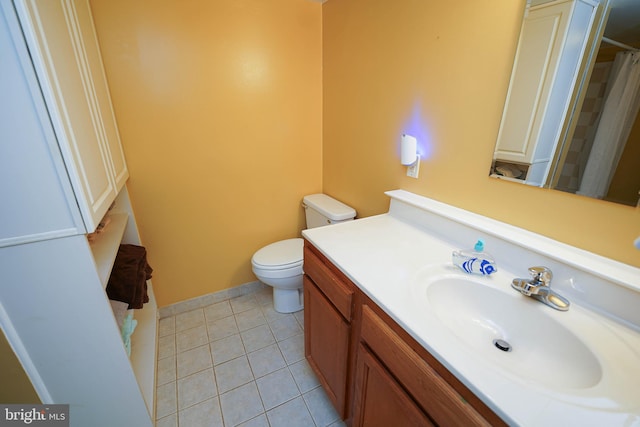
x=539, y=53
x=380, y=401
x=326, y=344
x=430, y=390
x=66, y=56
x=105, y=117
x=34, y=188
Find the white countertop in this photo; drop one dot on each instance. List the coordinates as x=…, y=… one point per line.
x=384, y=254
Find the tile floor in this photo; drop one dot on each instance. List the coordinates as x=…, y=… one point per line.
x=238, y=362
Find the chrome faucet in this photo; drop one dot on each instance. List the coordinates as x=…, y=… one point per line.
x=538, y=287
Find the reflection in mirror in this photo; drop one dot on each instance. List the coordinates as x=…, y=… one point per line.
x=571, y=115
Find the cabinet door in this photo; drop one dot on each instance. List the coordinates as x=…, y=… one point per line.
x=550, y=49
x=380, y=400
x=37, y=197
x=66, y=57
x=106, y=117
x=427, y=388
x=326, y=344
x=539, y=50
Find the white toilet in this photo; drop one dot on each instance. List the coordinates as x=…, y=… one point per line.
x=280, y=264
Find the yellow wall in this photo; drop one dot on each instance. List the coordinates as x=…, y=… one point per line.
x=219, y=109
x=15, y=386
x=625, y=184
x=440, y=70
x=231, y=110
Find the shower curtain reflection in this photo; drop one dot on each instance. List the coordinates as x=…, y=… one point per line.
x=621, y=105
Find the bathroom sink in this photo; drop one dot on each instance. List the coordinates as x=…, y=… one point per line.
x=507, y=330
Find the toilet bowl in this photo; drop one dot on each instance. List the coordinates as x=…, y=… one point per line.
x=279, y=264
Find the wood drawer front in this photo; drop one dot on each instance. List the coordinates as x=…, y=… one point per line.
x=326, y=344
x=334, y=288
x=436, y=397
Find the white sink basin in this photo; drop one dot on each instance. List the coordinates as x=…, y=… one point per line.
x=575, y=356
x=532, y=344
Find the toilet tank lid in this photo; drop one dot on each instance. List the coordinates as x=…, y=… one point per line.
x=329, y=207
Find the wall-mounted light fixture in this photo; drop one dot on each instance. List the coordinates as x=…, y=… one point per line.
x=409, y=155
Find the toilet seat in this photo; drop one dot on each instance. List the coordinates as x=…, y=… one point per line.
x=285, y=256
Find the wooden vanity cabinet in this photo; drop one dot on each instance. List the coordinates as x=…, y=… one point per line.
x=396, y=379
x=328, y=308
x=380, y=399
x=374, y=372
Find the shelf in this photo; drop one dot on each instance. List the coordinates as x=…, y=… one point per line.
x=122, y=230
x=105, y=246
x=506, y=178
x=143, y=348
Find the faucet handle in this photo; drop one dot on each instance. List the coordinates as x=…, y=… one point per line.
x=541, y=274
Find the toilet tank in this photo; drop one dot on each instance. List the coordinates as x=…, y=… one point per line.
x=321, y=210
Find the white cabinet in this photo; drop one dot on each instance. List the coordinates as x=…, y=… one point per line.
x=550, y=49
x=61, y=167
x=38, y=201
x=56, y=315
x=66, y=57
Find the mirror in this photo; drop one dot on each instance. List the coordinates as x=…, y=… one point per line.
x=571, y=118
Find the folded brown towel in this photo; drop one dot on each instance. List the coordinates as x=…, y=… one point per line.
x=128, y=281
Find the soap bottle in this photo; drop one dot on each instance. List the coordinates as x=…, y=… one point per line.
x=474, y=261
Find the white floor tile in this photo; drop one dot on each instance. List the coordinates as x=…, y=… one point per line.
x=250, y=319
x=266, y=360
x=272, y=315
x=257, y=338
x=166, y=326
x=222, y=328
x=196, y=388
x=299, y=315
x=259, y=421
x=166, y=400
x=166, y=370
x=194, y=360
x=292, y=349
x=320, y=407
x=227, y=349
x=217, y=311
x=264, y=296
x=277, y=388
x=166, y=346
x=243, y=303
x=225, y=363
x=241, y=404
x=304, y=376
x=292, y=414
x=191, y=338
x=169, y=421
x=285, y=328
x=204, y=414
x=232, y=374
x=189, y=319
